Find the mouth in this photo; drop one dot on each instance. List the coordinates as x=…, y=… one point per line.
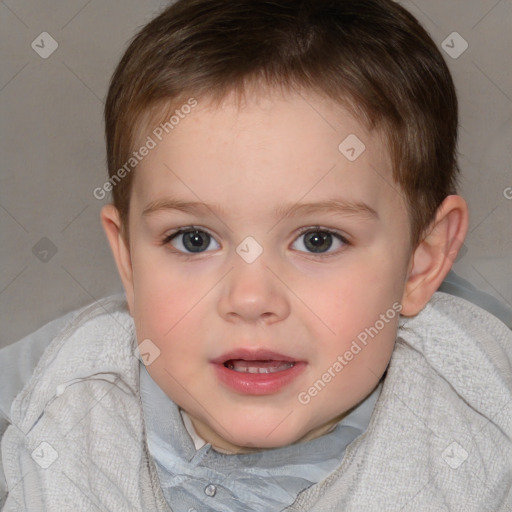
x=258, y=372
x=268, y=366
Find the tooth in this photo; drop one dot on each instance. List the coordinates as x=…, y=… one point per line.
x=248, y=368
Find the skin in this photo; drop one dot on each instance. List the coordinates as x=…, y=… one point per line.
x=244, y=161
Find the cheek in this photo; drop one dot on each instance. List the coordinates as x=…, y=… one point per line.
x=361, y=359
x=162, y=296
x=355, y=298
x=359, y=314
x=168, y=304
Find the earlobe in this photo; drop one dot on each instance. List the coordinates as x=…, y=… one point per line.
x=112, y=226
x=435, y=254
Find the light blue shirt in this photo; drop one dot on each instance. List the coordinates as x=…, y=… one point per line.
x=266, y=481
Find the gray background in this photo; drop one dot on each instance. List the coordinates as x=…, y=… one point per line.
x=53, y=254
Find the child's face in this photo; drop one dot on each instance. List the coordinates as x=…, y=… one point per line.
x=242, y=178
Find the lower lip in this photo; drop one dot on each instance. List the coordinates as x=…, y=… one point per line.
x=258, y=383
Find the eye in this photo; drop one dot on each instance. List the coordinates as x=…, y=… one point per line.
x=319, y=240
x=191, y=240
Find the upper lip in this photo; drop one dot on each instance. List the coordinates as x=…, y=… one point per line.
x=252, y=355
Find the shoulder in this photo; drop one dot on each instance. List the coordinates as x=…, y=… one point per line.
x=459, y=323
x=459, y=287
x=27, y=366
x=18, y=360
x=466, y=351
x=85, y=382
x=65, y=348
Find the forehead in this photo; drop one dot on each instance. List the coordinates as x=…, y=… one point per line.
x=265, y=148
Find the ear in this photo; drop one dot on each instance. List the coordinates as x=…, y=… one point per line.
x=435, y=254
x=112, y=225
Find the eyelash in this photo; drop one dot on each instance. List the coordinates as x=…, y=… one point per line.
x=335, y=234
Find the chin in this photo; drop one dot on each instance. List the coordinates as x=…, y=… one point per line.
x=265, y=436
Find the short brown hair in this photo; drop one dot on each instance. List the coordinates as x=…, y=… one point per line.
x=370, y=55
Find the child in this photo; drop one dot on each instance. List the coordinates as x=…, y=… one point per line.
x=284, y=210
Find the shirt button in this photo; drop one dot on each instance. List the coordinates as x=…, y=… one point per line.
x=210, y=490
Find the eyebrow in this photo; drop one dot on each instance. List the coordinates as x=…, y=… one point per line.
x=334, y=206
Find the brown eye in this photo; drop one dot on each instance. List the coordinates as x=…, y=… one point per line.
x=319, y=241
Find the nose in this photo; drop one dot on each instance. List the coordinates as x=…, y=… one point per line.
x=252, y=293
